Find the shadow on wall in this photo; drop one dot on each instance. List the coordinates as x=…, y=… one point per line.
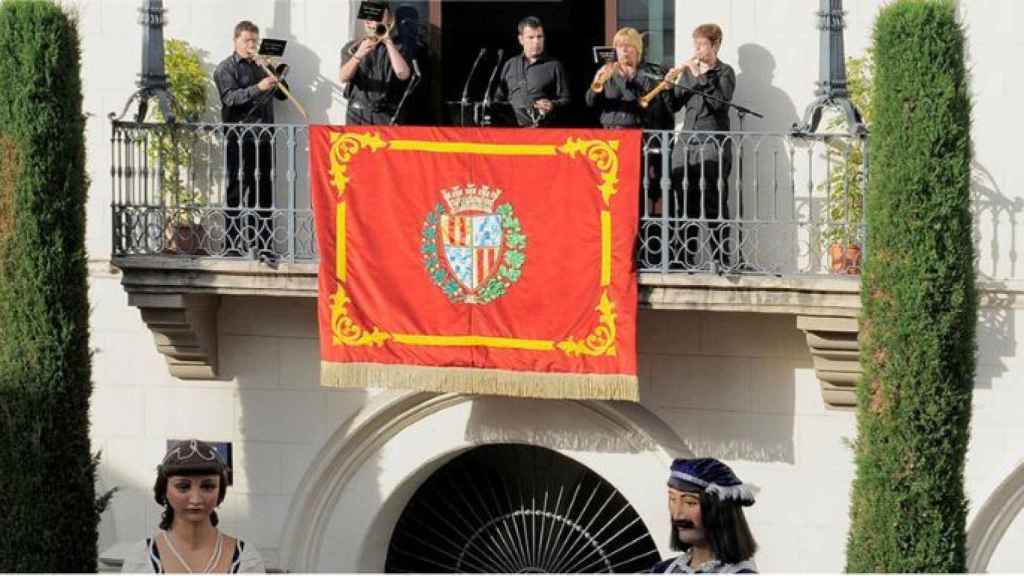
x=996, y=336
x=764, y=165
x=996, y=251
x=726, y=383
x=755, y=90
x=269, y=350
x=996, y=220
x=314, y=91
x=543, y=423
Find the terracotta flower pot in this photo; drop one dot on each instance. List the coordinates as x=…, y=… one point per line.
x=844, y=259
x=183, y=238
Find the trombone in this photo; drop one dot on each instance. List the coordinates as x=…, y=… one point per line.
x=380, y=32
x=264, y=63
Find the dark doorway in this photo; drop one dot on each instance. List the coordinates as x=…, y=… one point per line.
x=571, y=28
x=512, y=508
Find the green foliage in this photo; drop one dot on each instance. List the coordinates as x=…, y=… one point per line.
x=188, y=82
x=908, y=510
x=845, y=187
x=49, y=507
x=176, y=148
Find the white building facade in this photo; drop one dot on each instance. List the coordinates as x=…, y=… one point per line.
x=321, y=476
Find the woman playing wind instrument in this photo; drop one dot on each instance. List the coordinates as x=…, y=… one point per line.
x=618, y=86
x=702, y=161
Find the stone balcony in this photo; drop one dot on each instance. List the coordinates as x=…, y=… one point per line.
x=178, y=299
x=179, y=237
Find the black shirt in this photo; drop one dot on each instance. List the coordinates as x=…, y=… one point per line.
x=375, y=90
x=619, y=101
x=702, y=113
x=240, y=99
x=523, y=83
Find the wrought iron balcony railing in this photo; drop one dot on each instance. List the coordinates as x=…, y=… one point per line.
x=710, y=202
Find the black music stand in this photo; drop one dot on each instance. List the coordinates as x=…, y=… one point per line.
x=463, y=113
x=498, y=114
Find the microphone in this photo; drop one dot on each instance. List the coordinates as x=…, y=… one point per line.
x=490, y=81
x=416, y=68
x=465, y=89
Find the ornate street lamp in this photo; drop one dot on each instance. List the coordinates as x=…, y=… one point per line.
x=153, y=79
x=831, y=92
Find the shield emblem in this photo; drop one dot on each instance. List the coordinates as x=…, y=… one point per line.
x=472, y=247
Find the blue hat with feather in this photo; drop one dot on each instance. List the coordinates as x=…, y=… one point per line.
x=710, y=475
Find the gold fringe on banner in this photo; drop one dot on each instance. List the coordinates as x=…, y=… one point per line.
x=481, y=381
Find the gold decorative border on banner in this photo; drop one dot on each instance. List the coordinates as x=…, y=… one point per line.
x=346, y=331
x=602, y=153
x=600, y=342
x=345, y=145
x=605, y=155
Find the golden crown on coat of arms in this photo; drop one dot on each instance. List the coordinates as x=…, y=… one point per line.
x=471, y=198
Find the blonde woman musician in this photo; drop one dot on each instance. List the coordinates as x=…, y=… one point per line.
x=618, y=87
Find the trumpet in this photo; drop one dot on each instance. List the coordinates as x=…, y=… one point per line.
x=380, y=32
x=646, y=99
x=604, y=75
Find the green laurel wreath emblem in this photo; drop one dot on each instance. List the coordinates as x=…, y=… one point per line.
x=510, y=268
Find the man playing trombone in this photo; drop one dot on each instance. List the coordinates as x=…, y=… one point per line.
x=245, y=88
x=374, y=69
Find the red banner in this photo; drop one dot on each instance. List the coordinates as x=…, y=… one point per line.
x=488, y=261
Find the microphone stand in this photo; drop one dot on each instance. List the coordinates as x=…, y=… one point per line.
x=465, y=89
x=741, y=111
x=490, y=84
x=409, y=87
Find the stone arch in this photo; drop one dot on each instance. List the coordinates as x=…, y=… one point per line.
x=623, y=442
x=993, y=519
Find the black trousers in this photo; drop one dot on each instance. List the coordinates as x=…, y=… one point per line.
x=250, y=196
x=700, y=197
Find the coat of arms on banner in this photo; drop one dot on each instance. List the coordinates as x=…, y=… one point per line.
x=473, y=251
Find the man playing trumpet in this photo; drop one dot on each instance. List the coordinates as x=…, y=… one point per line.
x=374, y=70
x=618, y=87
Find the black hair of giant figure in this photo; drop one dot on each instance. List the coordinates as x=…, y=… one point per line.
x=726, y=530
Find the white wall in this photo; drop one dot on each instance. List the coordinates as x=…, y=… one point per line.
x=735, y=386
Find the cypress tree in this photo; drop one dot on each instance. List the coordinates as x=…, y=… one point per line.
x=48, y=504
x=909, y=510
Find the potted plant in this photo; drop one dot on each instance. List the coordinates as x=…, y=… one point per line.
x=844, y=190
x=176, y=149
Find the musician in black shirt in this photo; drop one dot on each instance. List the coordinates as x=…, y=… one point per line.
x=619, y=86
x=374, y=70
x=535, y=84
x=701, y=162
x=247, y=92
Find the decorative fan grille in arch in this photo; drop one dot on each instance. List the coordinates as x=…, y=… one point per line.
x=518, y=509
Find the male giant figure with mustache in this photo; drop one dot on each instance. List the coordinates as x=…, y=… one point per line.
x=706, y=499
